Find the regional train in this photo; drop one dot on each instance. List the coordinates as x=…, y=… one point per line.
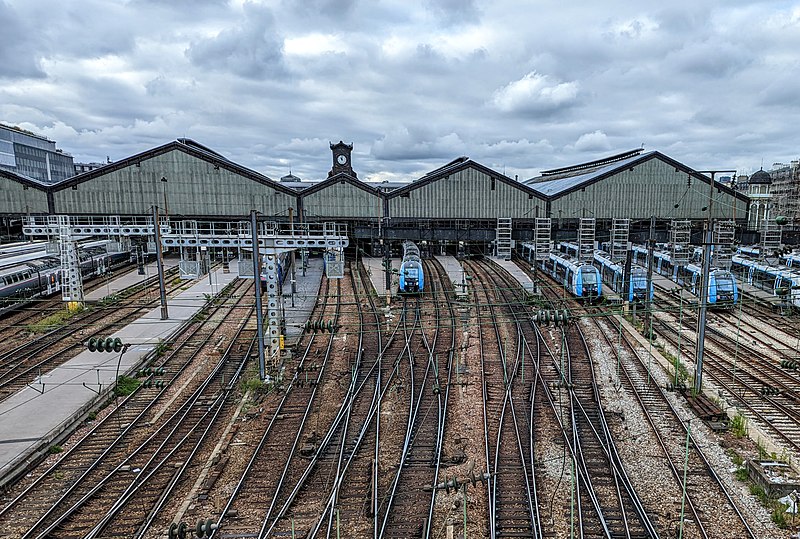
x=613, y=275
x=581, y=279
x=781, y=281
x=41, y=277
x=723, y=292
x=412, y=278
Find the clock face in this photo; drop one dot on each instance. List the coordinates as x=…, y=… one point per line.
x=341, y=159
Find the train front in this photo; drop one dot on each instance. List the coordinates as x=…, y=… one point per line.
x=722, y=289
x=638, y=285
x=588, y=282
x=411, y=275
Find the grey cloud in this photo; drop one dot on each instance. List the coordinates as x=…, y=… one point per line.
x=781, y=91
x=332, y=9
x=454, y=11
x=252, y=49
x=710, y=59
x=417, y=143
x=18, y=54
x=413, y=85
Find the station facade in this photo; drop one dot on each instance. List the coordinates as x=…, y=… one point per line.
x=457, y=204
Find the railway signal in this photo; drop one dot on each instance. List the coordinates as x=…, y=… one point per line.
x=108, y=344
x=181, y=530
x=558, y=317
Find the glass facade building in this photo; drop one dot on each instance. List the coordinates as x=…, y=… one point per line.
x=33, y=156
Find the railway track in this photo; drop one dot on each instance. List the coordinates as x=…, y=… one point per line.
x=307, y=492
x=511, y=488
x=705, y=489
x=422, y=444
x=111, y=475
x=275, y=459
x=22, y=364
x=669, y=429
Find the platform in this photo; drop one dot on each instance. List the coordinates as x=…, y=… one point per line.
x=761, y=295
x=305, y=297
x=377, y=275
x=664, y=283
x=119, y=280
x=455, y=272
x=36, y=416
x=516, y=272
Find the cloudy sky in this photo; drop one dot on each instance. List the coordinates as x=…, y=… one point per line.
x=517, y=86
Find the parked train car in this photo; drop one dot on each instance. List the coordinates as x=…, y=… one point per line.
x=751, y=251
x=722, y=288
x=792, y=259
x=662, y=261
x=21, y=248
x=569, y=248
x=613, y=275
x=581, y=279
x=41, y=277
x=782, y=282
x=412, y=277
x=723, y=292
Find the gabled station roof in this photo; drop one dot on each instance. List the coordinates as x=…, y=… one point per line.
x=24, y=180
x=562, y=181
x=337, y=178
x=457, y=165
x=184, y=145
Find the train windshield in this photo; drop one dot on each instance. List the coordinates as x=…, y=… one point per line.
x=725, y=283
x=589, y=276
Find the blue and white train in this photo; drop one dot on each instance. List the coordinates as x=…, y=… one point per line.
x=792, y=259
x=723, y=291
x=613, y=275
x=412, y=278
x=782, y=282
x=581, y=279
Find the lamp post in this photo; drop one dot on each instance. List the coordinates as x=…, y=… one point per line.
x=166, y=206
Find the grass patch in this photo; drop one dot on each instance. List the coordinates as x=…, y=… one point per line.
x=110, y=300
x=738, y=425
x=53, y=321
x=777, y=510
x=736, y=458
x=55, y=449
x=251, y=382
x=125, y=386
x=161, y=348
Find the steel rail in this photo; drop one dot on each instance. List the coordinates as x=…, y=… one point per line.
x=257, y=451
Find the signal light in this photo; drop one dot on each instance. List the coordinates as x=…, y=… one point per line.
x=109, y=344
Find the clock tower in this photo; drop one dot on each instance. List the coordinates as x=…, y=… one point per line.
x=341, y=159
